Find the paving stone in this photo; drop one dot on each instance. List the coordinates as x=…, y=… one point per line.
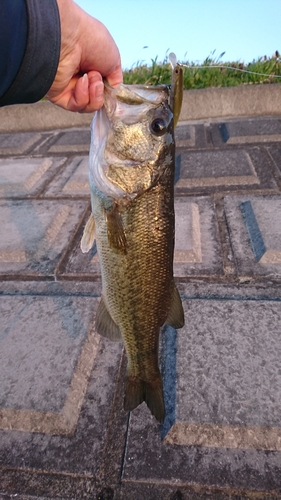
x=246, y=131
x=15, y=144
x=57, y=383
x=25, y=497
x=74, y=141
x=255, y=232
x=35, y=233
x=219, y=170
x=26, y=176
x=197, y=249
x=190, y=136
x=165, y=491
x=63, y=431
x=73, y=180
x=223, y=372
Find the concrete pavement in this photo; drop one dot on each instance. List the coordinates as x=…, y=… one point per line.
x=63, y=431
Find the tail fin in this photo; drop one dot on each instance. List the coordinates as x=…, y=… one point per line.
x=137, y=391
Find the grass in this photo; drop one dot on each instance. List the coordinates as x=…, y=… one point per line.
x=207, y=74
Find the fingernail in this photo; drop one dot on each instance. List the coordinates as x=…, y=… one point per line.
x=99, y=90
x=85, y=82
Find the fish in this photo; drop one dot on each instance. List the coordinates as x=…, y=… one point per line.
x=131, y=175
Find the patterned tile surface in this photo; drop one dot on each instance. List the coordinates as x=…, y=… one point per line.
x=73, y=181
x=49, y=382
x=63, y=431
x=26, y=176
x=35, y=233
x=15, y=144
x=255, y=232
x=219, y=170
x=222, y=394
x=246, y=131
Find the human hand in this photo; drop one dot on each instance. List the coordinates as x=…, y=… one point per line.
x=88, y=53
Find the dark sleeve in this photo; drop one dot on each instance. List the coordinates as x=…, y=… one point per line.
x=29, y=49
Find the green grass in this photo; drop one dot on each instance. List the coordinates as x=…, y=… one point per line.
x=199, y=77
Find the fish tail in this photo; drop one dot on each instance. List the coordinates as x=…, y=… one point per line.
x=137, y=391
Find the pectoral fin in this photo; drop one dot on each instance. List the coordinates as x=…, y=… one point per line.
x=115, y=230
x=105, y=325
x=89, y=235
x=176, y=315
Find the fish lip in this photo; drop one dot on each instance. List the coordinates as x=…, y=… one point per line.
x=135, y=91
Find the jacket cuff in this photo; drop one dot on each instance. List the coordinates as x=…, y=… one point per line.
x=39, y=65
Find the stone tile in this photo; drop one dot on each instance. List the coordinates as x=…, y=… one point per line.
x=246, y=131
x=197, y=249
x=35, y=233
x=255, y=232
x=165, y=491
x=57, y=383
x=26, y=176
x=74, y=141
x=190, y=136
x=16, y=144
x=218, y=170
x=24, y=497
x=73, y=181
x=222, y=388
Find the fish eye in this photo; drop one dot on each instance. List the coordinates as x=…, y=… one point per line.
x=158, y=127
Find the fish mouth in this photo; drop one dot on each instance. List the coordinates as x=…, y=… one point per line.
x=138, y=94
x=121, y=102
x=100, y=159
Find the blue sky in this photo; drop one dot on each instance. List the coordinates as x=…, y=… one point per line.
x=244, y=29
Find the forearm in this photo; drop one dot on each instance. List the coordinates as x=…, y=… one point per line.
x=39, y=63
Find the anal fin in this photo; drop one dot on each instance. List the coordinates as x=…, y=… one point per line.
x=176, y=315
x=89, y=235
x=105, y=325
x=115, y=230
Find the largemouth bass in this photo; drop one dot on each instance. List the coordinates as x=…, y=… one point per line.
x=132, y=163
